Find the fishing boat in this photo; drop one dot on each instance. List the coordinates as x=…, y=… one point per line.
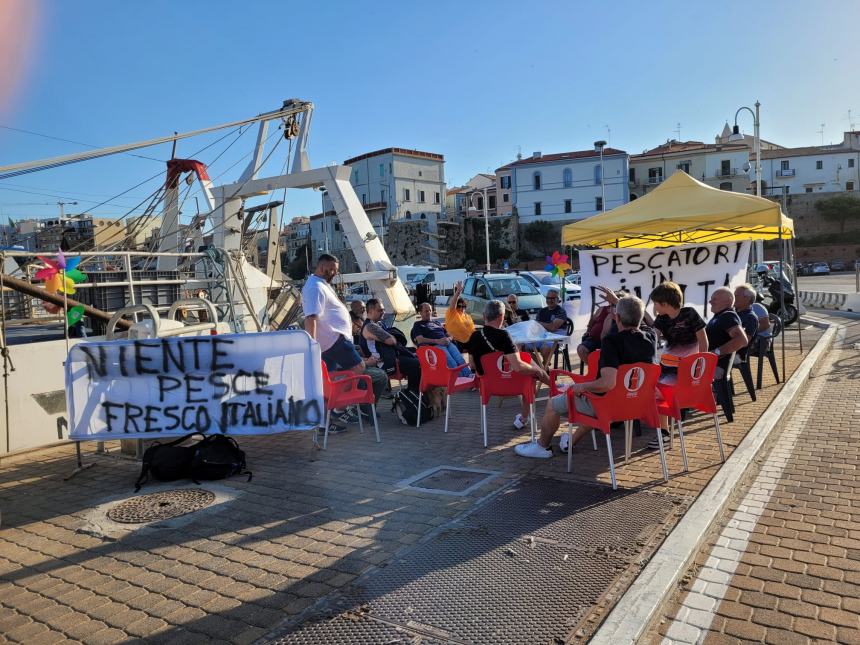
x=196, y=280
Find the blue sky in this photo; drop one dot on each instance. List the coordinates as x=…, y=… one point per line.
x=474, y=81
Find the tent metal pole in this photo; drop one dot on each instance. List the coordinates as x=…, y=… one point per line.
x=793, y=264
x=782, y=298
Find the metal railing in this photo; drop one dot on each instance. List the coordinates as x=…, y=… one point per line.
x=785, y=172
x=726, y=172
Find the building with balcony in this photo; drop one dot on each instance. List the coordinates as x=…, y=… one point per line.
x=567, y=186
x=724, y=164
x=294, y=237
x=504, y=192
x=721, y=165
x=468, y=200
x=396, y=184
x=813, y=169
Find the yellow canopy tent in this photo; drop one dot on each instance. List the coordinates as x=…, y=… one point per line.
x=682, y=210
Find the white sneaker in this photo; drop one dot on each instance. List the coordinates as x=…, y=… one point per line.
x=563, y=442
x=533, y=450
x=520, y=422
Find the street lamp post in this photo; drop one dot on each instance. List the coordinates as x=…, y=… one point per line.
x=599, y=145
x=486, y=224
x=736, y=135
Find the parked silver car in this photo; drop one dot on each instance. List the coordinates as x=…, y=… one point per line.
x=480, y=289
x=546, y=282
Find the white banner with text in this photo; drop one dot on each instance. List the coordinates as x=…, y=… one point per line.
x=237, y=384
x=697, y=268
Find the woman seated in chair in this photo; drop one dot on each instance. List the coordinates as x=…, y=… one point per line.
x=427, y=331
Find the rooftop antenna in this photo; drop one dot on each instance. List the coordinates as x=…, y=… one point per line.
x=851, y=124
x=608, y=135
x=821, y=132
x=519, y=152
x=677, y=130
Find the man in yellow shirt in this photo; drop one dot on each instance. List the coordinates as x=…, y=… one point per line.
x=458, y=323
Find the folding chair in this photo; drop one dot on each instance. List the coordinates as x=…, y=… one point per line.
x=633, y=397
x=499, y=379
x=436, y=373
x=692, y=391
x=340, y=390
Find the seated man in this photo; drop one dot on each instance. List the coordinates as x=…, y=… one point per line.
x=379, y=343
x=513, y=313
x=552, y=318
x=630, y=345
x=724, y=330
x=427, y=331
x=744, y=299
x=492, y=338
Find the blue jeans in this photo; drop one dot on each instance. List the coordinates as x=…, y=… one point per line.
x=455, y=358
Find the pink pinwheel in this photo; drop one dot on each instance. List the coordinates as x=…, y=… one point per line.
x=557, y=264
x=60, y=274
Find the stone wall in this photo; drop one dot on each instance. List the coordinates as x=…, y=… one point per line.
x=807, y=221
x=504, y=238
x=407, y=242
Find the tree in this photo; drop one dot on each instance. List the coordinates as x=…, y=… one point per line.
x=541, y=235
x=840, y=209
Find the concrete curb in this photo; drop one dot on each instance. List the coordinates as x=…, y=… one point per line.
x=831, y=300
x=640, y=604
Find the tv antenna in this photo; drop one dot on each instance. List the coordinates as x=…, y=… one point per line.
x=677, y=131
x=608, y=135
x=821, y=132
x=851, y=124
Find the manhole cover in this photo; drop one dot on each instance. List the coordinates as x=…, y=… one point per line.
x=454, y=481
x=449, y=480
x=160, y=506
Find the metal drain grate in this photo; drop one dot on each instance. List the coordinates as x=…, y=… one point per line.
x=160, y=506
x=527, y=568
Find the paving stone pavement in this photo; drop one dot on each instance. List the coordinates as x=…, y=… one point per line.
x=309, y=523
x=785, y=566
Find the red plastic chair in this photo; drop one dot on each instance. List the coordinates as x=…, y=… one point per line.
x=590, y=375
x=499, y=379
x=633, y=397
x=436, y=373
x=692, y=391
x=340, y=390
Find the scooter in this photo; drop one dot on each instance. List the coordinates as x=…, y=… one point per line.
x=780, y=291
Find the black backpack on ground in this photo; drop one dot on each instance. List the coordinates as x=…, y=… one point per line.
x=215, y=457
x=405, y=406
x=218, y=457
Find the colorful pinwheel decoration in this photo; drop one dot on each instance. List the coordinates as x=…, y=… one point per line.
x=557, y=265
x=61, y=274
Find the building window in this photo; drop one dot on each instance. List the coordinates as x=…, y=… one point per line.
x=685, y=166
x=784, y=165
x=506, y=182
x=382, y=195
x=536, y=181
x=598, y=203
x=492, y=201
x=808, y=189
x=382, y=170
x=819, y=165
x=567, y=177
x=849, y=185
x=632, y=175
x=480, y=201
x=506, y=198
x=364, y=198
x=850, y=163
x=655, y=175
x=537, y=208
x=568, y=206
x=726, y=185
x=389, y=169
x=725, y=167
x=421, y=196
x=598, y=173
x=406, y=195
x=437, y=198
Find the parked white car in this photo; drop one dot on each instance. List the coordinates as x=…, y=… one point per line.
x=546, y=282
x=820, y=268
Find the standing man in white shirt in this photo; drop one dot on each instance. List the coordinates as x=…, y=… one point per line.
x=327, y=320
